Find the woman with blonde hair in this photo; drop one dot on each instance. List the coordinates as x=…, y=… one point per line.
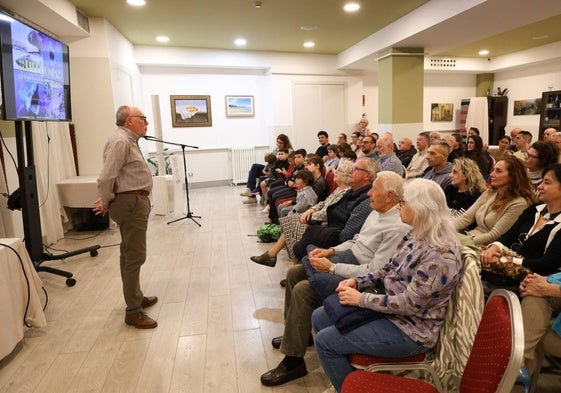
x=497, y=209
x=466, y=185
x=413, y=290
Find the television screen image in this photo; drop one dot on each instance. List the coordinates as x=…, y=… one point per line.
x=35, y=73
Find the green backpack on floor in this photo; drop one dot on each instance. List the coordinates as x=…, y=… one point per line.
x=268, y=233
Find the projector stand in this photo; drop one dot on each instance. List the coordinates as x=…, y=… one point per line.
x=30, y=209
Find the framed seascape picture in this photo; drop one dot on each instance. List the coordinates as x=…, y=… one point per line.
x=191, y=111
x=239, y=106
x=442, y=112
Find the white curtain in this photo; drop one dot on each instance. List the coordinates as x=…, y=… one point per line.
x=53, y=162
x=478, y=116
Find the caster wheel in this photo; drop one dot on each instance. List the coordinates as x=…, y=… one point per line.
x=70, y=282
x=93, y=253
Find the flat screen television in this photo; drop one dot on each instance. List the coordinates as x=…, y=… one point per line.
x=35, y=73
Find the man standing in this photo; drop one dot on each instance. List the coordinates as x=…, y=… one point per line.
x=124, y=185
x=438, y=160
x=373, y=247
x=388, y=160
x=419, y=163
x=405, y=151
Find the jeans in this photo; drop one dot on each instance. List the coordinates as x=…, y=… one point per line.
x=379, y=338
x=255, y=171
x=326, y=283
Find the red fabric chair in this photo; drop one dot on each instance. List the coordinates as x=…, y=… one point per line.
x=493, y=363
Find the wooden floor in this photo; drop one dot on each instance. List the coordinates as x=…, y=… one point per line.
x=217, y=313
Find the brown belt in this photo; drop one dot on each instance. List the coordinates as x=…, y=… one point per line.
x=135, y=192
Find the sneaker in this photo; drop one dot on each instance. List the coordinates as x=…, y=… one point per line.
x=266, y=209
x=246, y=193
x=263, y=201
x=249, y=200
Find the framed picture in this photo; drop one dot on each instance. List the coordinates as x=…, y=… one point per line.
x=441, y=112
x=239, y=106
x=531, y=106
x=191, y=111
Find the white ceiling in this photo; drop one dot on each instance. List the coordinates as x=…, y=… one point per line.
x=443, y=28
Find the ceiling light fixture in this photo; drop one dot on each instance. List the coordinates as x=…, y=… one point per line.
x=351, y=7
x=162, y=38
x=258, y=4
x=136, y=3
x=309, y=44
x=540, y=37
x=308, y=27
x=483, y=52
x=240, y=41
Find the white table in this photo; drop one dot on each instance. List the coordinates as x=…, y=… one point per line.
x=78, y=191
x=13, y=295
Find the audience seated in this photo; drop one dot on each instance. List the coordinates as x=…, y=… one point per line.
x=539, y=156
x=548, y=133
x=502, y=151
x=466, y=185
x=305, y=195
x=405, y=151
x=475, y=152
x=367, y=146
x=323, y=139
x=293, y=227
x=346, y=217
x=367, y=251
x=416, y=285
x=541, y=300
x=434, y=137
x=458, y=147
x=355, y=142
x=536, y=234
x=363, y=129
x=387, y=159
x=332, y=158
x=256, y=169
x=276, y=174
x=285, y=189
x=522, y=140
x=497, y=209
x=451, y=141
x=440, y=168
x=419, y=163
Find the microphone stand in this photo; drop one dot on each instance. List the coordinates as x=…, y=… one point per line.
x=189, y=214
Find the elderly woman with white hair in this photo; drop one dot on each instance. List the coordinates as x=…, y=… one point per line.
x=412, y=290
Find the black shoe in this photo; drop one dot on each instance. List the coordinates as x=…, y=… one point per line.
x=280, y=375
x=277, y=341
x=283, y=283
x=265, y=259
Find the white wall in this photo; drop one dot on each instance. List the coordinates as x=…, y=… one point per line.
x=528, y=83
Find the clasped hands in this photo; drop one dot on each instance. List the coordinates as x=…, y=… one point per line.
x=348, y=293
x=318, y=259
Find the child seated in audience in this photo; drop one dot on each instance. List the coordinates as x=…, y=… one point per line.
x=280, y=168
x=270, y=159
x=333, y=159
x=305, y=195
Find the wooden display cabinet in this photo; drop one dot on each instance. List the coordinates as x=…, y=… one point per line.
x=550, y=116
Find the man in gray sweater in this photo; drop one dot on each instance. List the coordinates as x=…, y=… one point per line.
x=370, y=249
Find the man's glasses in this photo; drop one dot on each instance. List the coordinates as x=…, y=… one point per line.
x=516, y=247
x=531, y=156
x=143, y=118
x=356, y=168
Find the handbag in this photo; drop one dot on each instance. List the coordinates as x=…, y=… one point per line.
x=347, y=318
x=505, y=272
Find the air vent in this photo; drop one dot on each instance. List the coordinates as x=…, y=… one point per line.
x=83, y=21
x=440, y=62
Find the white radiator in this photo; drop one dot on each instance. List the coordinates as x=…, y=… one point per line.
x=242, y=159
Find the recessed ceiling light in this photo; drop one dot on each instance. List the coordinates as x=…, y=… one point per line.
x=162, y=38
x=308, y=27
x=309, y=44
x=351, y=7
x=483, y=52
x=540, y=37
x=136, y=3
x=240, y=41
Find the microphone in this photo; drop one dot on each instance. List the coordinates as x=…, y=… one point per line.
x=150, y=138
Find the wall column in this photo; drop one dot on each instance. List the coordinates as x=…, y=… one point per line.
x=400, y=94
